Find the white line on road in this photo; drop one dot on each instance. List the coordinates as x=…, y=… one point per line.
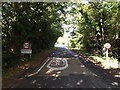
x=38, y=69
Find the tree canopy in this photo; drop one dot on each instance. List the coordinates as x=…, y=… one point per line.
x=39, y=23
x=97, y=23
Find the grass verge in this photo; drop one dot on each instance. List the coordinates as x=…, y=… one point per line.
x=109, y=63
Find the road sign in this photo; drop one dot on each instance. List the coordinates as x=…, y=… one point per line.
x=26, y=45
x=107, y=45
x=26, y=51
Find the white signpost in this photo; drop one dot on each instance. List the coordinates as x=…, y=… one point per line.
x=26, y=49
x=107, y=46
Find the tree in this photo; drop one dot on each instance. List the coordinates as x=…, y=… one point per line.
x=98, y=24
x=39, y=23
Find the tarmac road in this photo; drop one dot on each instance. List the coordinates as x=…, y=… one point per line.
x=64, y=69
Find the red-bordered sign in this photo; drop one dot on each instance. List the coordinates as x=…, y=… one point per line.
x=107, y=45
x=26, y=45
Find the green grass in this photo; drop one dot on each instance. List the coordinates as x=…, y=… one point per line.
x=111, y=62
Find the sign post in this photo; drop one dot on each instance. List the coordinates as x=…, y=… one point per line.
x=107, y=46
x=107, y=55
x=26, y=49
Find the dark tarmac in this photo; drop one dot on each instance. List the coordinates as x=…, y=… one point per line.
x=66, y=70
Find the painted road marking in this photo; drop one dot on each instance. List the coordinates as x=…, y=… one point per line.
x=58, y=63
x=52, y=66
x=38, y=69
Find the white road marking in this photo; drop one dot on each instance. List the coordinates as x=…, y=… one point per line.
x=38, y=69
x=57, y=62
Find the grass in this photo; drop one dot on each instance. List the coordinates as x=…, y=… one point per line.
x=110, y=63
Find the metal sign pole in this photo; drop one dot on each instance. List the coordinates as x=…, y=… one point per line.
x=107, y=55
x=107, y=46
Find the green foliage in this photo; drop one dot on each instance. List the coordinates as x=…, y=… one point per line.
x=98, y=22
x=9, y=60
x=36, y=22
x=111, y=62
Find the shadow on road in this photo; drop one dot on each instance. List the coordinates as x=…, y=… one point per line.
x=70, y=81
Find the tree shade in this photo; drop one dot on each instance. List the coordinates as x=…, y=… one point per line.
x=38, y=23
x=97, y=23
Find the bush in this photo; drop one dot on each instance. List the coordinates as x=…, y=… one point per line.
x=9, y=60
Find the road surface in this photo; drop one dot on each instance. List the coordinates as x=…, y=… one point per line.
x=64, y=69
